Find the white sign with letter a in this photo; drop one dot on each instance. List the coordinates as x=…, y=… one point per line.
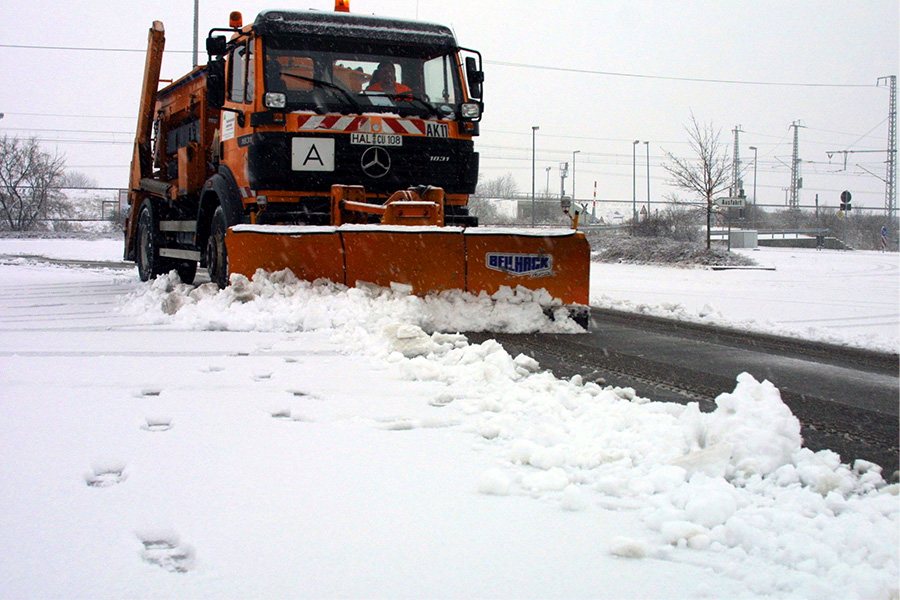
x=312, y=154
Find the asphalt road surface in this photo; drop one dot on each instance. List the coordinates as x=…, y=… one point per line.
x=846, y=399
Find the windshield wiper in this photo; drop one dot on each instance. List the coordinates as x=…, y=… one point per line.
x=347, y=95
x=431, y=108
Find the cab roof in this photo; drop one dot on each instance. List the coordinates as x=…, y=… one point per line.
x=351, y=26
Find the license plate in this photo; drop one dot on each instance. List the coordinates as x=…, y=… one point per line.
x=376, y=139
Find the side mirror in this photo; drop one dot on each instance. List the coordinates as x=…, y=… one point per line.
x=474, y=77
x=216, y=45
x=215, y=83
x=566, y=203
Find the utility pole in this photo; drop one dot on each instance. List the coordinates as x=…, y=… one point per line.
x=534, y=129
x=890, y=190
x=196, y=31
x=574, y=152
x=796, y=180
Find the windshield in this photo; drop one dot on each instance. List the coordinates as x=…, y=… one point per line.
x=405, y=82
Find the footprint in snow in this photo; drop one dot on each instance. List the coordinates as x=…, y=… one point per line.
x=104, y=475
x=286, y=414
x=158, y=423
x=164, y=549
x=281, y=413
x=400, y=424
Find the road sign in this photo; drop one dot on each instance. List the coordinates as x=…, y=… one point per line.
x=884, y=232
x=845, y=201
x=731, y=202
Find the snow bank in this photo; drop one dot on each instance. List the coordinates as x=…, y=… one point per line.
x=281, y=302
x=732, y=490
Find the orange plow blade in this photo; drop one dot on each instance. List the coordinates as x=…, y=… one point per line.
x=425, y=258
x=557, y=260
x=310, y=252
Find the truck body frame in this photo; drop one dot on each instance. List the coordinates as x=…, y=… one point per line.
x=343, y=127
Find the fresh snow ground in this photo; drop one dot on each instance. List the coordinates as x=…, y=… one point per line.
x=833, y=296
x=286, y=439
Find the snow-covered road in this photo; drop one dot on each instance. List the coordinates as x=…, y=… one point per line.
x=287, y=440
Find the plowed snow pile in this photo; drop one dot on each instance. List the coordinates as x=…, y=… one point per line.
x=732, y=490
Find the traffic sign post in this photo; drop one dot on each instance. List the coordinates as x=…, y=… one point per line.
x=845, y=201
x=731, y=202
x=884, y=239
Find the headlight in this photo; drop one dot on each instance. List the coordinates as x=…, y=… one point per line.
x=275, y=100
x=470, y=110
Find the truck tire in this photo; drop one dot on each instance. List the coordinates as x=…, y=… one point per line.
x=186, y=270
x=148, y=261
x=216, y=254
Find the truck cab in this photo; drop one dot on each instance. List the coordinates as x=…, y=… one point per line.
x=288, y=107
x=304, y=107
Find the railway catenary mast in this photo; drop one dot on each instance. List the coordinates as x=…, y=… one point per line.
x=890, y=179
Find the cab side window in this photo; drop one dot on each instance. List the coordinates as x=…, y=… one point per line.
x=248, y=88
x=237, y=88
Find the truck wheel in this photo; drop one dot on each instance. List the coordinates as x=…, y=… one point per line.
x=147, y=259
x=216, y=254
x=186, y=270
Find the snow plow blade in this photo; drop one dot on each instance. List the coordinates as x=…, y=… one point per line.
x=424, y=258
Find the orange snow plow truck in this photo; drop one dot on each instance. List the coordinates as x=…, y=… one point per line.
x=335, y=145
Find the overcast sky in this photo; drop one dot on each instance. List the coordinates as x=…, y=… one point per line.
x=594, y=76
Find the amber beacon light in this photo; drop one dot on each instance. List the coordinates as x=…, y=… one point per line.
x=235, y=20
x=341, y=5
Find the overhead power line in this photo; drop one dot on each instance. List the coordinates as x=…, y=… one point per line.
x=511, y=64
x=83, y=49
x=673, y=78
x=30, y=114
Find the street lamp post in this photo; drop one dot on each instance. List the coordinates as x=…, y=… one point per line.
x=533, y=134
x=547, y=189
x=754, y=148
x=634, y=182
x=648, y=178
x=574, y=195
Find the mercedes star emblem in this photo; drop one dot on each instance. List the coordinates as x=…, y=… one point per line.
x=376, y=162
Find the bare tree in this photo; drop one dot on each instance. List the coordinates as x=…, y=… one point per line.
x=501, y=187
x=706, y=173
x=30, y=181
x=481, y=203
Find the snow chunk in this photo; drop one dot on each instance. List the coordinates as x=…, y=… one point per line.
x=553, y=480
x=760, y=429
x=628, y=547
x=494, y=482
